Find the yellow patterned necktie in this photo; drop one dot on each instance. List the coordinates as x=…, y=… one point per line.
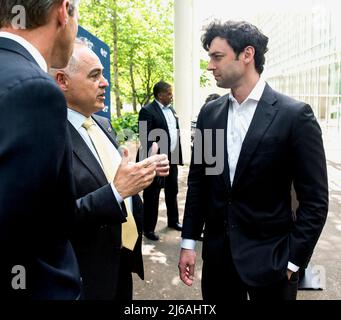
x=129, y=230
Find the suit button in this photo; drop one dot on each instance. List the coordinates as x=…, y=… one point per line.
x=229, y=202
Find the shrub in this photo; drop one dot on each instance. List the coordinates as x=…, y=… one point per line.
x=126, y=126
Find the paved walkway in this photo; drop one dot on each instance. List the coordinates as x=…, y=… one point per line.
x=161, y=258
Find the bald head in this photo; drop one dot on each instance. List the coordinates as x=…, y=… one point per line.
x=81, y=47
x=82, y=81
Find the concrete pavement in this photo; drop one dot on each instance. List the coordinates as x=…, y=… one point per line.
x=161, y=258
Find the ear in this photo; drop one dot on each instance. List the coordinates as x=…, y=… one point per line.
x=62, y=80
x=249, y=53
x=63, y=16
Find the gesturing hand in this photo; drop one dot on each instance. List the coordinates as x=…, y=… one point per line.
x=162, y=162
x=131, y=178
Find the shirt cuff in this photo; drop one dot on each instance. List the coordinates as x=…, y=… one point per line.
x=292, y=267
x=116, y=194
x=188, y=244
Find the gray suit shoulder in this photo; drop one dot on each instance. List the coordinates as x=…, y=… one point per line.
x=17, y=68
x=28, y=74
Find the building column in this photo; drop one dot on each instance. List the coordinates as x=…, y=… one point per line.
x=186, y=68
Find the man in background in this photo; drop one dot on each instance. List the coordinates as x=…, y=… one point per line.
x=36, y=196
x=159, y=118
x=211, y=97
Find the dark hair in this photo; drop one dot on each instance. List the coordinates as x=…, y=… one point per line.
x=211, y=97
x=36, y=11
x=159, y=87
x=239, y=35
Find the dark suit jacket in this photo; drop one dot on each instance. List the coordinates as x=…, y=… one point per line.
x=36, y=197
x=97, y=234
x=155, y=119
x=283, y=145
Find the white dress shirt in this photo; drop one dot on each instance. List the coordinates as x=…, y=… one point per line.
x=238, y=123
x=77, y=120
x=34, y=52
x=171, y=123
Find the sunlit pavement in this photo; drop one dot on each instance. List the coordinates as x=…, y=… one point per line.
x=161, y=257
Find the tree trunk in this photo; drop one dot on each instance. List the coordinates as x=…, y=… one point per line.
x=147, y=85
x=132, y=83
x=116, y=82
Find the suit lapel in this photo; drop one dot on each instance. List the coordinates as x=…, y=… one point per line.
x=220, y=122
x=84, y=154
x=107, y=129
x=264, y=115
x=158, y=111
x=176, y=117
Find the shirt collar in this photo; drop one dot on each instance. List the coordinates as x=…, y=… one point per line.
x=161, y=105
x=77, y=119
x=28, y=46
x=256, y=92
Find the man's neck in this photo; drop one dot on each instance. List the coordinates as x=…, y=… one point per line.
x=79, y=110
x=242, y=91
x=161, y=103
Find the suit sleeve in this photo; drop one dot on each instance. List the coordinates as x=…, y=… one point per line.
x=193, y=221
x=99, y=207
x=311, y=185
x=32, y=149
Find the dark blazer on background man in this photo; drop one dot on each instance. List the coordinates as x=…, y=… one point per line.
x=283, y=144
x=36, y=197
x=97, y=233
x=155, y=119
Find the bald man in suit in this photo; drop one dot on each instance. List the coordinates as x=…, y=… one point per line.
x=106, y=266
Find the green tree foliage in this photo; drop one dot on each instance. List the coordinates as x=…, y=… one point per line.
x=144, y=44
x=126, y=126
x=204, y=80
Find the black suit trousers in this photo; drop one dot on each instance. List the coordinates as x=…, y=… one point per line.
x=151, y=199
x=124, y=290
x=222, y=276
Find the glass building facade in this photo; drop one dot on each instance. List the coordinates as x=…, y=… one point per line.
x=304, y=57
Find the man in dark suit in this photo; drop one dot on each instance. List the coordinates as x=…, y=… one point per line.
x=36, y=198
x=159, y=121
x=253, y=244
x=103, y=200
